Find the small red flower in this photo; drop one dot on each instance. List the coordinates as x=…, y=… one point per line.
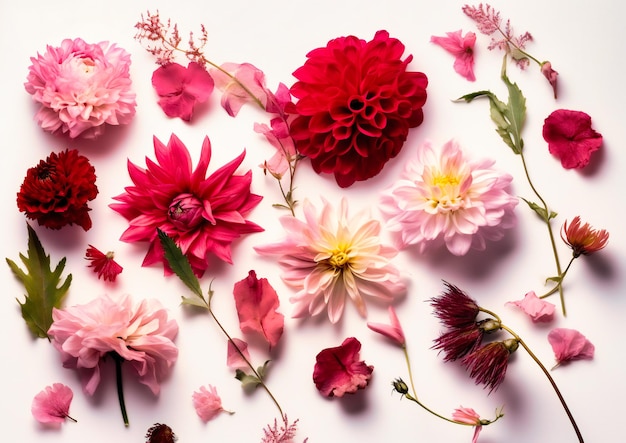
x=584, y=240
x=103, y=264
x=56, y=191
x=356, y=103
x=339, y=371
x=570, y=137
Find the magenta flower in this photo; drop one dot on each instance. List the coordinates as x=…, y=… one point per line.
x=180, y=88
x=103, y=264
x=207, y=403
x=52, y=405
x=537, y=309
x=81, y=87
x=142, y=335
x=569, y=344
x=234, y=95
x=330, y=257
x=487, y=364
x=470, y=417
x=202, y=215
x=392, y=331
x=442, y=196
x=462, y=48
x=571, y=138
x=455, y=308
x=339, y=371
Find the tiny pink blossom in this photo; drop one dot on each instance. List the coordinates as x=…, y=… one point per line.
x=207, y=403
x=462, y=48
x=536, y=308
x=569, y=344
x=52, y=405
x=234, y=96
x=470, y=417
x=234, y=358
x=393, y=330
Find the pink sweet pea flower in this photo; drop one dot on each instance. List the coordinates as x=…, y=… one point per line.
x=234, y=357
x=52, y=405
x=463, y=50
x=469, y=416
x=234, y=96
x=550, y=74
x=207, y=403
x=569, y=344
x=392, y=331
x=536, y=308
x=180, y=88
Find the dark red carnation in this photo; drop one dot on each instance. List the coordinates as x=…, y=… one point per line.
x=571, y=138
x=56, y=191
x=356, y=103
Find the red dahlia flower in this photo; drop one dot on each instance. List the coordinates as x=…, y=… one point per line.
x=356, y=103
x=56, y=191
x=202, y=215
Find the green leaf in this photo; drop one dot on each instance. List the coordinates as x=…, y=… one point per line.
x=181, y=267
x=556, y=279
x=262, y=370
x=516, y=111
x=44, y=290
x=543, y=214
x=247, y=381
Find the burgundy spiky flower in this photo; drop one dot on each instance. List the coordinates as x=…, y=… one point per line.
x=458, y=342
x=160, y=433
x=455, y=308
x=487, y=364
x=584, y=240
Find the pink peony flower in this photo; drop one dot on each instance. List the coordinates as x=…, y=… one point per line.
x=470, y=417
x=103, y=264
x=142, y=335
x=207, y=403
x=569, y=344
x=52, y=405
x=330, y=257
x=444, y=196
x=339, y=371
x=462, y=48
x=393, y=331
x=537, y=309
x=583, y=239
x=81, y=87
x=180, y=88
x=202, y=215
x=571, y=138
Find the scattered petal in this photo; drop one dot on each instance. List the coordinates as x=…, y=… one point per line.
x=234, y=357
x=393, y=330
x=462, y=48
x=536, y=308
x=339, y=371
x=52, y=405
x=569, y=344
x=207, y=403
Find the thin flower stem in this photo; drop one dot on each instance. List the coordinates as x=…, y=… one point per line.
x=560, y=282
x=488, y=312
x=120, y=387
x=71, y=418
x=550, y=379
x=520, y=50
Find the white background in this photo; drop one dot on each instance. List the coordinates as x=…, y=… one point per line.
x=584, y=44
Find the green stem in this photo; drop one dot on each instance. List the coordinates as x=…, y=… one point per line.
x=550, y=379
x=120, y=388
x=560, y=282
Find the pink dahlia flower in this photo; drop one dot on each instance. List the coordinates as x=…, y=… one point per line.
x=81, y=87
x=202, y=215
x=330, y=257
x=444, y=196
x=142, y=335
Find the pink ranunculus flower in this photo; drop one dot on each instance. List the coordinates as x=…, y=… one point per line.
x=52, y=405
x=537, y=309
x=443, y=196
x=462, y=48
x=470, y=417
x=81, y=87
x=203, y=215
x=207, y=403
x=140, y=334
x=330, y=257
x=339, y=370
x=570, y=344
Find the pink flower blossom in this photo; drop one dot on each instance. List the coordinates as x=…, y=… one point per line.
x=103, y=264
x=470, y=417
x=234, y=358
x=571, y=138
x=234, y=96
x=207, y=403
x=330, y=256
x=537, y=309
x=442, y=196
x=142, y=335
x=393, y=330
x=551, y=75
x=339, y=371
x=180, y=88
x=569, y=344
x=81, y=87
x=462, y=48
x=202, y=215
x=52, y=405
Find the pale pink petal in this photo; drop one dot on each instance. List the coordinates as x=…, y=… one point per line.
x=569, y=344
x=237, y=354
x=52, y=405
x=536, y=308
x=392, y=331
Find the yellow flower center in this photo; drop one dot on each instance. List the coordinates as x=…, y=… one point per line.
x=445, y=195
x=445, y=180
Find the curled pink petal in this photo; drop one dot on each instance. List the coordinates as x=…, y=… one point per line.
x=234, y=357
x=537, y=309
x=339, y=371
x=393, y=330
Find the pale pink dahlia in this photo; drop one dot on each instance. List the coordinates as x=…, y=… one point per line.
x=81, y=87
x=202, y=215
x=329, y=257
x=444, y=196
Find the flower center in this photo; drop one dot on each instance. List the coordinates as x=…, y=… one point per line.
x=339, y=258
x=445, y=180
x=185, y=212
x=445, y=195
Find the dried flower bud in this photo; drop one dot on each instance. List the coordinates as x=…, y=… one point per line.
x=400, y=386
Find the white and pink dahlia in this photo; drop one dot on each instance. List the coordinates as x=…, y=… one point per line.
x=444, y=196
x=203, y=215
x=81, y=87
x=330, y=257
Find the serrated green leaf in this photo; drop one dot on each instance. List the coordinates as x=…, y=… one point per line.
x=181, y=267
x=44, y=290
x=541, y=212
x=516, y=111
x=247, y=381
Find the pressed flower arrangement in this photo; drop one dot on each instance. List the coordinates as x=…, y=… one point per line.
x=256, y=252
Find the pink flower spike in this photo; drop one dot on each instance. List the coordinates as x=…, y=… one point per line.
x=234, y=358
x=103, y=264
x=339, y=371
x=234, y=95
x=207, y=403
x=393, y=330
x=463, y=50
x=52, y=405
x=180, y=88
x=569, y=344
x=536, y=308
x=550, y=74
x=470, y=417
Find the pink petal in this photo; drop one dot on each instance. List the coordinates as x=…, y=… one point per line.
x=536, y=308
x=52, y=405
x=569, y=344
x=234, y=358
x=392, y=331
x=463, y=50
